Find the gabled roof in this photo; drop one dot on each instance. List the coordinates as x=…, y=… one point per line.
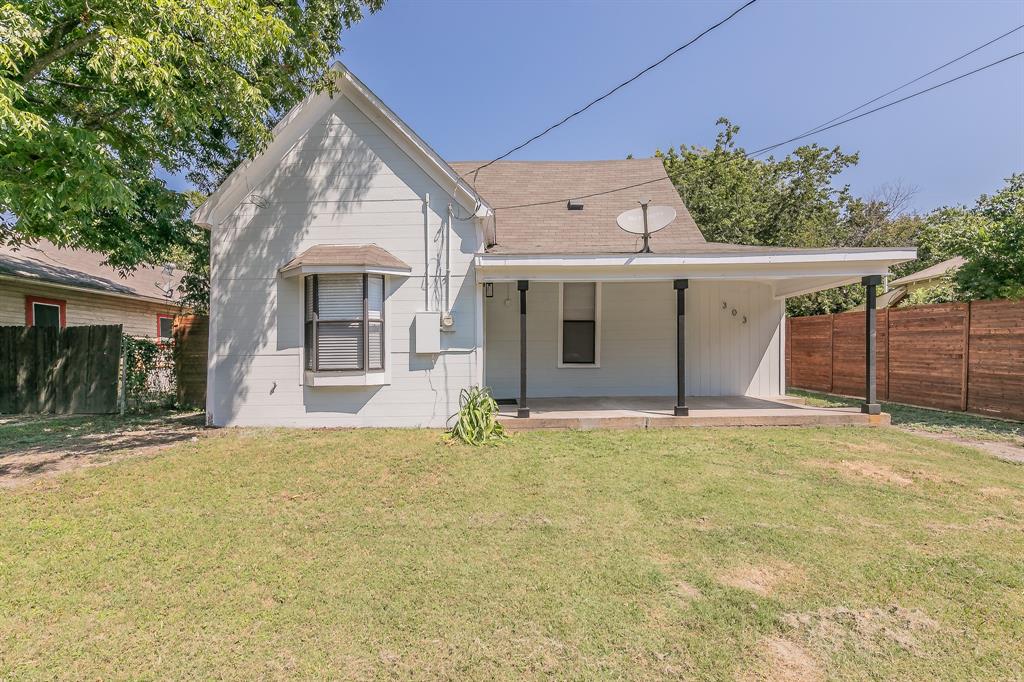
x=552, y=228
x=304, y=115
x=44, y=262
x=352, y=257
x=933, y=272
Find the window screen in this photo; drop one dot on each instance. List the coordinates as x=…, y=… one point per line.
x=344, y=322
x=579, y=323
x=45, y=315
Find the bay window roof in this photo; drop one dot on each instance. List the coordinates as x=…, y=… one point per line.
x=343, y=258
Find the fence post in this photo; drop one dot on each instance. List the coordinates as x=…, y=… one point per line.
x=122, y=396
x=965, y=375
x=831, y=352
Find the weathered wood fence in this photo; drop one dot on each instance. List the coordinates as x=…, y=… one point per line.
x=50, y=370
x=191, y=339
x=952, y=356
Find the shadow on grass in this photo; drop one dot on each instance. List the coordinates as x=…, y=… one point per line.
x=960, y=424
x=35, y=445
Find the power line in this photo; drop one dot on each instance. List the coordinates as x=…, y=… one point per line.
x=616, y=88
x=751, y=155
x=914, y=80
x=885, y=106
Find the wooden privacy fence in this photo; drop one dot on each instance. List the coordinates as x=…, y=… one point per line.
x=59, y=371
x=191, y=335
x=952, y=356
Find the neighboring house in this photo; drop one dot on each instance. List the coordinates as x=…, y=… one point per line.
x=898, y=289
x=359, y=279
x=41, y=284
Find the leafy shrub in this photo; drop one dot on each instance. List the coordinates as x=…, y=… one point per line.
x=476, y=422
x=149, y=380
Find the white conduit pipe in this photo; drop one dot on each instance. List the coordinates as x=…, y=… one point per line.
x=426, y=252
x=448, y=261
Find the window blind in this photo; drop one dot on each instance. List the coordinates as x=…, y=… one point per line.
x=344, y=322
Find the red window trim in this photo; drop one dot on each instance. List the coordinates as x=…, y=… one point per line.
x=29, y=314
x=161, y=316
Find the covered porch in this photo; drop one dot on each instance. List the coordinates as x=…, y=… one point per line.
x=651, y=412
x=652, y=340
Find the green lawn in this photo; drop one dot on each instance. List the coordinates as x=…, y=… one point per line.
x=958, y=424
x=849, y=553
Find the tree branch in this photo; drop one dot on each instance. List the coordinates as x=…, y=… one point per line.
x=43, y=61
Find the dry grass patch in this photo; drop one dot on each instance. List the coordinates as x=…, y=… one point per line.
x=783, y=660
x=872, y=629
x=874, y=471
x=762, y=579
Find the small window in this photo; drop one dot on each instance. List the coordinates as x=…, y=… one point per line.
x=580, y=316
x=44, y=312
x=344, y=322
x=164, y=327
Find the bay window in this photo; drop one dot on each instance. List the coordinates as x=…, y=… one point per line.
x=344, y=322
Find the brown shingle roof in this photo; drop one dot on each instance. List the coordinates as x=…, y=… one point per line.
x=359, y=255
x=552, y=228
x=43, y=261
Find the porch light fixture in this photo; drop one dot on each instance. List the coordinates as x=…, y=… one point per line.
x=574, y=205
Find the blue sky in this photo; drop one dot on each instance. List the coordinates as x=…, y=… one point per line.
x=476, y=78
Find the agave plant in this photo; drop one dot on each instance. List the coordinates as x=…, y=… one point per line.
x=476, y=422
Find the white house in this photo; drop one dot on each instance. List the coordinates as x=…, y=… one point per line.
x=359, y=279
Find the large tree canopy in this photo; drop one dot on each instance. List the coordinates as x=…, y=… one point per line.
x=990, y=236
x=792, y=201
x=100, y=98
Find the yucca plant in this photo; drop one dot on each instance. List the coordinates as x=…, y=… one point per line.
x=476, y=422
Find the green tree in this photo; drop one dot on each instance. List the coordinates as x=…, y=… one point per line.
x=775, y=202
x=990, y=236
x=792, y=201
x=101, y=98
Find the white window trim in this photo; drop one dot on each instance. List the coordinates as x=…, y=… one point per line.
x=348, y=377
x=597, y=331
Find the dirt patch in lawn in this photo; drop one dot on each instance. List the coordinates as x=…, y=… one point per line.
x=870, y=470
x=870, y=629
x=762, y=580
x=784, y=661
x=1008, y=452
x=75, y=447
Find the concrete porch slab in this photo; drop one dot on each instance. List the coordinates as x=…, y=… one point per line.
x=647, y=412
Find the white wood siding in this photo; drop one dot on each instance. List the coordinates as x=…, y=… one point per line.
x=724, y=356
x=343, y=182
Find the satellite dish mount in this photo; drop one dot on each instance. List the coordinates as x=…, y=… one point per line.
x=646, y=220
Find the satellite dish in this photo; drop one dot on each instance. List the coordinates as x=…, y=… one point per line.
x=646, y=220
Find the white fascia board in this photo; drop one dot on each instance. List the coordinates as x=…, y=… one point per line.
x=764, y=266
x=298, y=121
x=342, y=270
x=639, y=259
